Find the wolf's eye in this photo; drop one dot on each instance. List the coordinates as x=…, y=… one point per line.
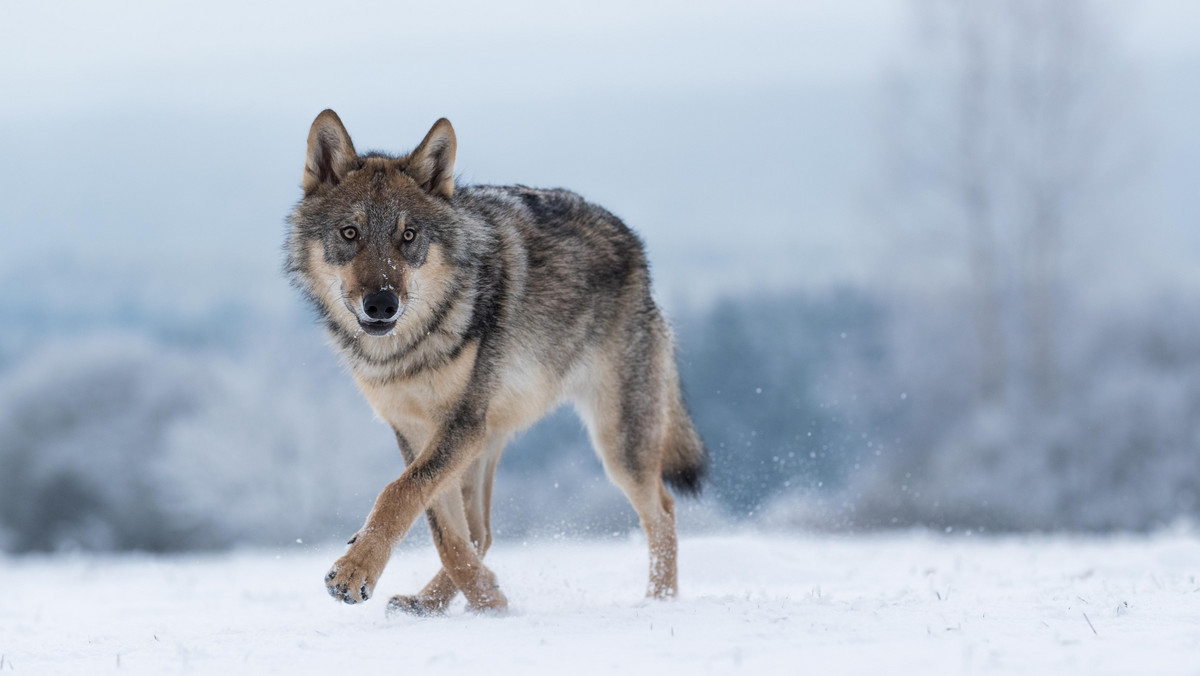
x=408, y=235
x=349, y=232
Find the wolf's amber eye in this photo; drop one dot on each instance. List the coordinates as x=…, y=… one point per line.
x=349, y=232
x=409, y=233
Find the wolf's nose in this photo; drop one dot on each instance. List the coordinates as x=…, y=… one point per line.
x=381, y=305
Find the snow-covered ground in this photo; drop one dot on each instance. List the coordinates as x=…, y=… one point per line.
x=909, y=603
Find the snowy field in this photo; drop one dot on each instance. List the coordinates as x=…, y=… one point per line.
x=756, y=604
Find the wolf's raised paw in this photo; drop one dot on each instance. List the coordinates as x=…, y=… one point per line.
x=352, y=579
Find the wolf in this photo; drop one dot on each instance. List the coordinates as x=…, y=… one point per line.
x=465, y=314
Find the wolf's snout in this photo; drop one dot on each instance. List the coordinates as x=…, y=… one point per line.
x=381, y=305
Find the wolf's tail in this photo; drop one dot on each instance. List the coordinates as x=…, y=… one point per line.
x=685, y=462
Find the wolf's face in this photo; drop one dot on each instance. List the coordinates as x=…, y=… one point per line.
x=374, y=237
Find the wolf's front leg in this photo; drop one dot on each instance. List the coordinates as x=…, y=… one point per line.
x=462, y=565
x=353, y=576
x=473, y=515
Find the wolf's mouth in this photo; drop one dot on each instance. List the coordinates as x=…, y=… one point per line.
x=377, y=328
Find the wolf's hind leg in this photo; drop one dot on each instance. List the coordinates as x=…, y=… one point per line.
x=656, y=511
x=627, y=414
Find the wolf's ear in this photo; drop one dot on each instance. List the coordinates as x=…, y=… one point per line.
x=330, y=152
x=431, y=165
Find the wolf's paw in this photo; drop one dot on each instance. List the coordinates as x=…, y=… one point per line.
x=490, y=601
x=413, y=605
x=352, y=578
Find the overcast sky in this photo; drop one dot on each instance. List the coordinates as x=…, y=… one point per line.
x=234, y=55
x=222, y=54
x=735, y=136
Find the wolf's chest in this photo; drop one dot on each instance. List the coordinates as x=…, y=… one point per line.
x=416, y=405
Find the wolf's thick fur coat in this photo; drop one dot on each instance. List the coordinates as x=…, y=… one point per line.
x=510, y=301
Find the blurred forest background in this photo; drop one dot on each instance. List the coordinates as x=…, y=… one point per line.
x=930, y=263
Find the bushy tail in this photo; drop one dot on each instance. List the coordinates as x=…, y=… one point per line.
x=685, y=462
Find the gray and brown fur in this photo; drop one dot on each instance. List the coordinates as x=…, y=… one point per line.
x=510, y=301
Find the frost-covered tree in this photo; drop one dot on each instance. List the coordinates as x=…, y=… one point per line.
x=1011, y=154
x=1008, y=143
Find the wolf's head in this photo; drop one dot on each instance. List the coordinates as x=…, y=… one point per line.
x=375, y=237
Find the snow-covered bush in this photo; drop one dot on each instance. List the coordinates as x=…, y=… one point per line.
x=1119, y=449
x=119, y=442
x=82, y=423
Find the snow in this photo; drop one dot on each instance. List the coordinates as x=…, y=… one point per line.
x=911, y=602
